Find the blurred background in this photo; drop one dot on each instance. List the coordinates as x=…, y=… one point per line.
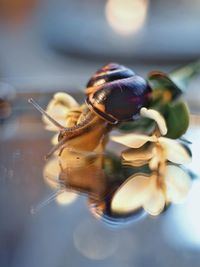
x=51, y=45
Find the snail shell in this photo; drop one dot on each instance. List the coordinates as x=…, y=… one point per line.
x=116, y=93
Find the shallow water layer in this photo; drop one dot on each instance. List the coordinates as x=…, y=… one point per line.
x=65, y=233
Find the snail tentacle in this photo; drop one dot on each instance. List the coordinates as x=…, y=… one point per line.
x=66, y=130
x=41, y=110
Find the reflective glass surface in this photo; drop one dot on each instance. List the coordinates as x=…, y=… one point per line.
x=65, y=232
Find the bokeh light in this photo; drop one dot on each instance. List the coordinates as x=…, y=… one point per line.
x=126, y=17
x=94, y=240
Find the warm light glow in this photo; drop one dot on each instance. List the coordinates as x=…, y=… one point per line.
x=126, y=16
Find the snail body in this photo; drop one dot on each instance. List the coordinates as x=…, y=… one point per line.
x=114, y=94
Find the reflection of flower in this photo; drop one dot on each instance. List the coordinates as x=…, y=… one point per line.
x=152, y=192
x=51, y=173
x=166, y=183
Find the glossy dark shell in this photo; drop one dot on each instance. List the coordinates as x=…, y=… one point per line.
x=109, y=73
x=121, y=96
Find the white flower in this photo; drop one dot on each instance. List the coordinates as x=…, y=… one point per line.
x=161, y=148
x=59, y=108
x=151, y=192
x=155, y=115
x=64, y=109
x=166, y=183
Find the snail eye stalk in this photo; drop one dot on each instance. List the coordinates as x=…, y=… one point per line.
x=41, y=110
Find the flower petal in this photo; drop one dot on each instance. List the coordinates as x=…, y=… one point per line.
x=66, y=198
x=131, y=194
x=137, y=154
x=175, y=151
x=58, y=108
x=155, y=201
x=54, y=139
x=66, y=100
x=157, y=117
x=135, y=163
x=51, y=172
x=137, y=157
x=133, y=140
x=154, y=163
x=178, y=184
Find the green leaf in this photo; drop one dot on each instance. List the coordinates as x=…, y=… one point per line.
x=163, y=87
x=177, y=119
x=165, y=99
x=170, y=103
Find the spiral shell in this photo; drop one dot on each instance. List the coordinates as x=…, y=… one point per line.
x=109, y=73
x=116, y=93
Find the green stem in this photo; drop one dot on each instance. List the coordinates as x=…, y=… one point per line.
x=184, y=75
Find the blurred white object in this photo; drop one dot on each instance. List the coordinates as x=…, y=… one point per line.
x=126, y=17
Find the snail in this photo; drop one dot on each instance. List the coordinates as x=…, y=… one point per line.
x=115, y=94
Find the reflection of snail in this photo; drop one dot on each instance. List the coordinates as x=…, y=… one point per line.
x=119, y=194
x=114, y=94
x=96, y=176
